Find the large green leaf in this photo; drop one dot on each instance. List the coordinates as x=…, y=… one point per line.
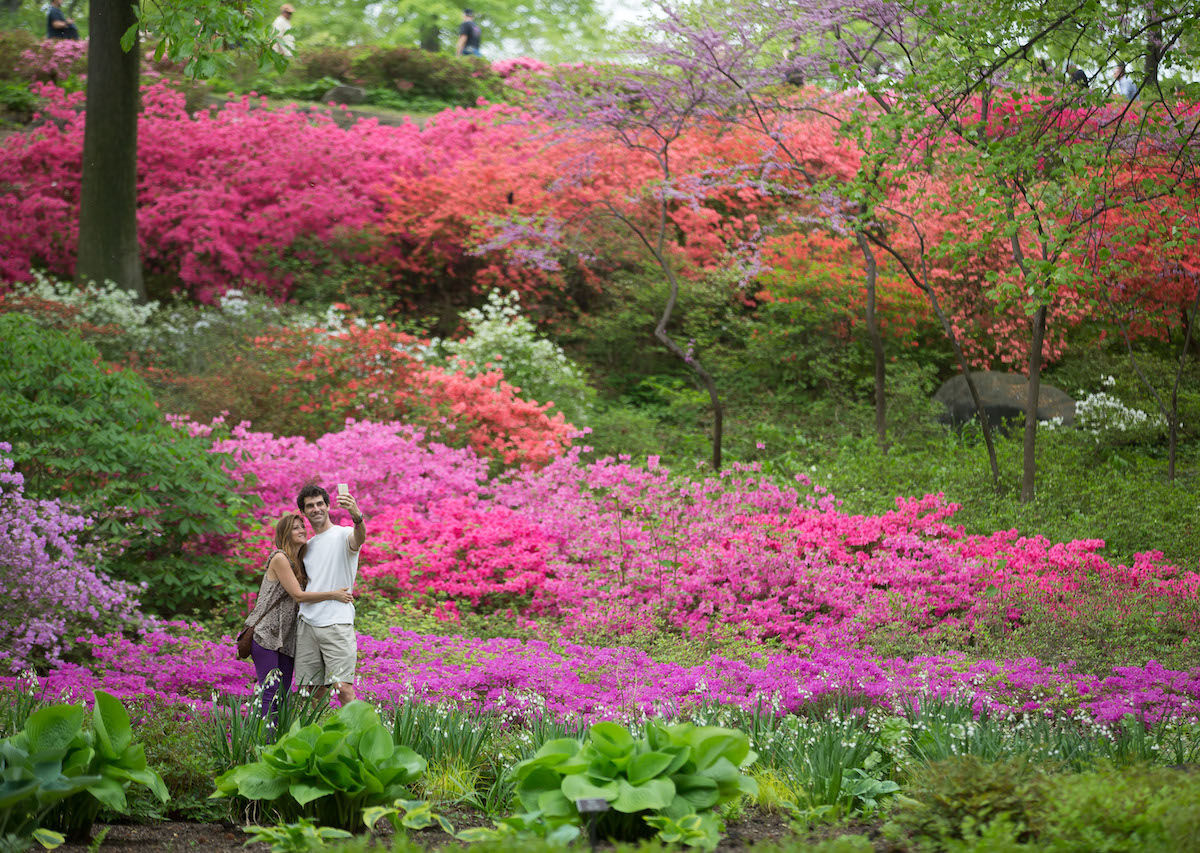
x=49, y=731
x=647, y=766
x=258, y=782
x=534, y=784
x=655, y=794
x=110, y=721
x=376, y=745
x=12, y=791
x=358, y=715
x=554, y=805
x=699, y=790
x=552, y=752
x=305, y=792
x=710, y=743
x=110, y=792
x=149, y=778
x=613, y=741
x=578, y=786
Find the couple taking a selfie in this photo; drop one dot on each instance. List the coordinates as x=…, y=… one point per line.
x=302, y=623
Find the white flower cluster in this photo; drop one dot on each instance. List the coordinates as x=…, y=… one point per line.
x=98, y=304
x=1102, y=412
x=502, y=338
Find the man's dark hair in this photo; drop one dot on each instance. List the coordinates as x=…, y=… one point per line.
x=311, y=490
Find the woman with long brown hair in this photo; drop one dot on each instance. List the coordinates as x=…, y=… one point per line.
x=275, y=610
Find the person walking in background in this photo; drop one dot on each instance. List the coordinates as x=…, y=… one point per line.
x=58, y=25
x=326, y=645
x=470, y=35
x=1123, y=83
x=273, y=646
x=285, y=42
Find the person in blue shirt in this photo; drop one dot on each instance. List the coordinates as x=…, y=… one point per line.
x=58, y=25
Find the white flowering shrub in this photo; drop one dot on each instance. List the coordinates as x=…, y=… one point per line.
x=1102, y=412
x=502, y=338
x=1103, y=415
x=104, y=304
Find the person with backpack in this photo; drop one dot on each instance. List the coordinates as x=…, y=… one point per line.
x=470, y=34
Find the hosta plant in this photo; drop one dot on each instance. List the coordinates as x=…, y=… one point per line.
x=669, y=782
x=56, y=773
x=329, y=772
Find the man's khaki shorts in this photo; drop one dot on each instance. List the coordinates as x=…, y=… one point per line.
x=325, y=655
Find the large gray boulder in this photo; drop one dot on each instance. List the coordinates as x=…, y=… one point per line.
x=1003, y=396
x=349, y=95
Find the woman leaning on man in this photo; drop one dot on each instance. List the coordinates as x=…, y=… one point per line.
x=278, y=605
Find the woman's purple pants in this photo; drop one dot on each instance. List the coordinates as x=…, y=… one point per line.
x=266, y=660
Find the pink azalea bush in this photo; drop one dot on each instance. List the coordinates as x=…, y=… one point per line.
x=54, y=60
x=606, y=548
x=222, y=195
x=53, y=584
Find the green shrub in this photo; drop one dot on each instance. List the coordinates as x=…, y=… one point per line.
x=175, y=750
x=13, y=43
x=55, y=774
x=327, y=62
x=1148, y=809
x=90, y=435
x=458, y=80
x=965, y=798
x=330, y=772
x=667, y=783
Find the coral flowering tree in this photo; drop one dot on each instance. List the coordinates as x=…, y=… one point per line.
x=1147, y=261
x=650, y=113
x=377, y=373
x=955, y=92
x=1039, y=158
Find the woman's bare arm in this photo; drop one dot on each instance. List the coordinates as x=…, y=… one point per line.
x=286, y=577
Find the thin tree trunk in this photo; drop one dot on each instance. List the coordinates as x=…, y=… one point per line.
x=876, y=343
x=108, y=237
x=660, y=332
x=1029, y=460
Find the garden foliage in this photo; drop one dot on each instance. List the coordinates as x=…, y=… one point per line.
x=330, y=771
x=671, y=782
x=57, y=772
x=89, y=436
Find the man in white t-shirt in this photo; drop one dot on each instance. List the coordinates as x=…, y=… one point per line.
x=326, y=645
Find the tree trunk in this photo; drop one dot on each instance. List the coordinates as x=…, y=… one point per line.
x=1173, y=415
x=108, y=237
x=876, y=343
x=1029, y=461
x=1154, y=54
x=660, y=332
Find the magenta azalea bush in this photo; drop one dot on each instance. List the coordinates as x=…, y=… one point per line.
x=222, y=195
x=172, y=664
x=53, y=586
x=580, y=551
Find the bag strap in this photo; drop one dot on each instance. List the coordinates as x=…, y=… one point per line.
x=277, y=601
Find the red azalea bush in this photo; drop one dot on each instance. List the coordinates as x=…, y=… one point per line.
x=377, y=373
